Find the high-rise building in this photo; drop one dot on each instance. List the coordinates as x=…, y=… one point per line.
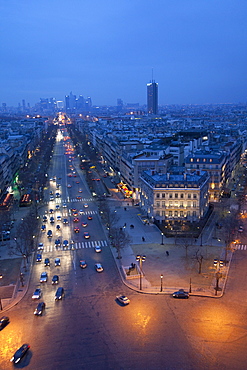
x=152, y=97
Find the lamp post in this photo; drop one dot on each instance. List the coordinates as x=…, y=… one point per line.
x=218, y=264
x=161, y=282
x=162, y=235
x=140, y=259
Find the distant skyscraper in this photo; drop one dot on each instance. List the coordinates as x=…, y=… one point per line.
x=152, y=97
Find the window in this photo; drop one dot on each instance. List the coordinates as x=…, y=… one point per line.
x=189, y=204
x=157, y=213
x=181, y=205
x=194, y=196
x=163, y=204
x=189, y=196
x=170, y=195
x=181, y=213
x=194, y=213
x=157, y=204
x=194, y=204
x=176, y=214
x=182, y=196
x=163, y=213
x=163, y=195
x=176, y=195
x=157, y=195
x=188, y=214
x=170, y=213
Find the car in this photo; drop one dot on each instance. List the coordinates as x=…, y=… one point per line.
x=39, y=309
x=51, y=197
x=65, y=221
x=85, y=205
x=97, y=249
x=47, y=262
x=73, y=210
x=98, y=267
x=57, y=242
x=180, y=294
x=51, y=192
x=4, y=320
x=75, y=214
x=86, y=235
x=240, y=229
x=57, y=262
x=51, y=210
x=59, y=294
x=89, y=217
x=20, y=353
x=65, y=243
x=76, y=230
x=43, y=277
x=84, y=224
x=76, y=219
x=69, y=186
x=57, y=206
x=78, y=197
x=83, y=264
x=44, y=218
x=123, y=299
x=81, y=212
x=58, y=195
x=49, y=234
x=52, y=220
x=38, y=258
x=64, y=205
x=80, y=191
x=59, y=218
x=58, y=227
x=43, y=227
x=55, y=279
x=37, y=294
x=40, y=246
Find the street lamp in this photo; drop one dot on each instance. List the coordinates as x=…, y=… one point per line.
x=162, y=235
x=161, y=282
x=218, y=264
x=140, y=259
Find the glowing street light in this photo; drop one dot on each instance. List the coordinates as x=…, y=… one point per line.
x=161, y=282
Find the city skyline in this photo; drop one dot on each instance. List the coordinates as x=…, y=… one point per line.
x=107, y=50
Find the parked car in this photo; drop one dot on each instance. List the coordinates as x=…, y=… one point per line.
x=37, y=294
x=98, y=267
x=240, y=229
x=180, y=294
x=59, y=294
x=55, y=279
x=123, y=299
x=3, y=322
x=20, y=353
x=39, y=309
x=43, y=277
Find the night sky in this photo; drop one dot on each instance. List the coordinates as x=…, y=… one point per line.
x=107, y=50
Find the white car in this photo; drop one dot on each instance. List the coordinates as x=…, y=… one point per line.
x=59, y=218
x=64, y=205
x=43, y=277
x=40, y=246
x=97, y=249
x=98, y=267
x=85, y=205
x=123, y=299
x=37, y=294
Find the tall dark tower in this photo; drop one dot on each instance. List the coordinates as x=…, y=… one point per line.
x=152, y=97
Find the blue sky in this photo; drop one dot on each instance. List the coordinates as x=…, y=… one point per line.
x=107, y=49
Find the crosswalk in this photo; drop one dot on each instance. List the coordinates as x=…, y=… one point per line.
x=68, y=200
x=77, y=245
x=242, y=247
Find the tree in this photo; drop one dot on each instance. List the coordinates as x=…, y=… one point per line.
x=119, y=239
x=199, y=257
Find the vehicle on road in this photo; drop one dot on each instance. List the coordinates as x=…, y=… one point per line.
x=65, y=221
x=181, y=294
x=43, y=277
x=85, y=205
x=57, y=242
x=59, y=294
x=84, y=224
x=76, y=219
x=80, y=191
x=44, y=218
x=78, y=197
x=64, y=205
x=49, y=234
x=47, y=262
x=98, y=267
x=38, y=258
x=57, y=262
x=20, y=353
x=58, y=227
x=52, y=220
x=76, y=230
x=55, y=279
x=83, y=264
x=51, y=210
x=40, y=246
x=65, y=243
x=240, y=229
x=123, y=299
x=39, y=309
x=89, y=217
x=4, y=320
x=59, y=218
x=97, y=249
x=43, y=227
x=86, y=235
x=37, y=294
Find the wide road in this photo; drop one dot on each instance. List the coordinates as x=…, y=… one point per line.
x=89, y=330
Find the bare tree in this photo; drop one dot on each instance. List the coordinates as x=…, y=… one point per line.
x=199, y=257
x=120, y=238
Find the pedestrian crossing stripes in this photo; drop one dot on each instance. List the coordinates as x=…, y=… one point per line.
x=241, y=247
x=77, y=245
x=59, y=200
